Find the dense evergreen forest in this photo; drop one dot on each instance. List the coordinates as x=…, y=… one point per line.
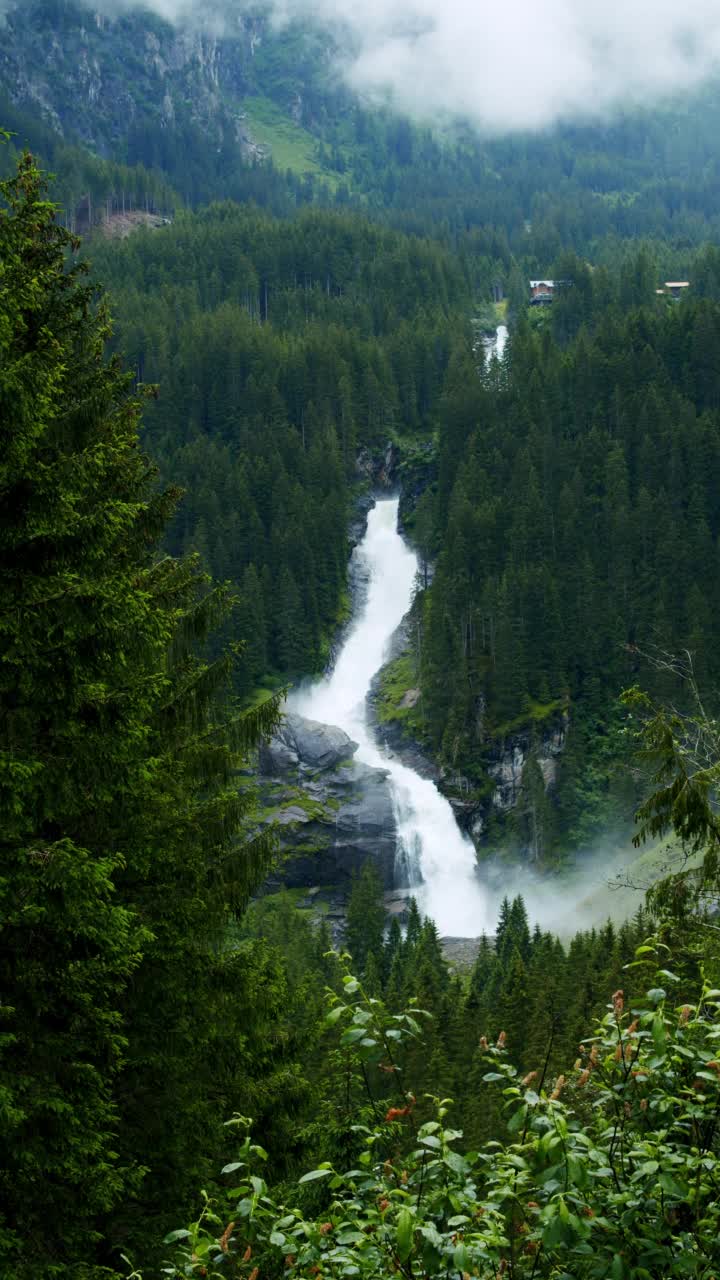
x=196, y=1080
x=577, y=519
x=301, y=344
x=568, y=483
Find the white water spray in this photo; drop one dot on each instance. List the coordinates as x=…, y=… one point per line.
x=501, y=337
x=495, y=345
x=434, y=856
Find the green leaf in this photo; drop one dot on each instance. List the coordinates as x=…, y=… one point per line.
x=352, y=1035
x=404, y=1234
x=230, y=1168
x=461, y=1258
x=659, y=1033
x=182, y=1234
x=670, y=1186
x=617, y=1269
x=335, y=1013
x=517, y=1119
x=432, y=1235
x=456, y=1162
x=432, y=1142
x=316, y=1173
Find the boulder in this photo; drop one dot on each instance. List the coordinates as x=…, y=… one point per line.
x=332, y=813
x=305, y=744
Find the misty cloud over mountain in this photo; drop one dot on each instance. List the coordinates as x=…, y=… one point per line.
x=516, y=64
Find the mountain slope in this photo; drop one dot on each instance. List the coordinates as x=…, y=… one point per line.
x=230, y=114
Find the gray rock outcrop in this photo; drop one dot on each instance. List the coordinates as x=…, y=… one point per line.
x=305, y=745
x=332, y=812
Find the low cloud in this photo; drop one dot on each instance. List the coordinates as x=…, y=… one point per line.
x=519, y=64
x=502, y=65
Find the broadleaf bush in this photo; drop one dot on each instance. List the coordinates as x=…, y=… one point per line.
x=609, y=1171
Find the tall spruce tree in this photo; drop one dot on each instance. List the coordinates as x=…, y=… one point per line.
x=120, y=862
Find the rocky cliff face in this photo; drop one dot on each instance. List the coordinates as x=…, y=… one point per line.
x=332, y=812
x=129, y=82
x=476, y=809
x=512, y=755
x=94, y=77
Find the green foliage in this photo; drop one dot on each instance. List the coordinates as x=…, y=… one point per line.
x=608, y=1171
x=683, y=754
x=365, y=916
x=123, y=854
x=578, y=521
x=512, y=203
x=398, y=697
x=306, y=339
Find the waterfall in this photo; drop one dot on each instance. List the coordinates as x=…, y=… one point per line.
x=495, y=345
x=433, y=856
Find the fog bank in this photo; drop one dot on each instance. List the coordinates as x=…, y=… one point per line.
x=522, y=64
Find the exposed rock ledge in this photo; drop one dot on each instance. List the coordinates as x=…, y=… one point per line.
x=332, y=811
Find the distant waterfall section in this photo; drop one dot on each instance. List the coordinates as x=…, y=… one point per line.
x=501, y=337
x=495, y=346
x=433, y=856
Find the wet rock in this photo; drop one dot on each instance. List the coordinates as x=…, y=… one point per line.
x=397, y=903
x=460, y=953
x=305, y=744
x=332, y=813
x=411, y=698
x=507, y=774
x=359, y=518
x=512, y=755
x=416, y=474
x=379, y=467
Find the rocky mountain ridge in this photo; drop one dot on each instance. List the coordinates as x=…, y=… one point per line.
x=105, y=80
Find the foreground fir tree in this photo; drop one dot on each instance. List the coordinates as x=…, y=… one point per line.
x=120, y=858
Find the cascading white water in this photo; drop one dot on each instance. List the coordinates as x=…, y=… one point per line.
x=501, y=337
x=436, y=857
x=495, y=346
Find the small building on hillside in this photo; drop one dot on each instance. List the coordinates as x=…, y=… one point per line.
x=542, y=292
x=676, y=288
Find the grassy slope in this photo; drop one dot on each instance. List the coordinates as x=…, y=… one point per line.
x=291, y=146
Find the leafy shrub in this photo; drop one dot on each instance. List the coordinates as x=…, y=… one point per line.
x=611, y=1171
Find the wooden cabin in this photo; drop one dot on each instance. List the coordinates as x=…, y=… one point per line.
x=542, y=292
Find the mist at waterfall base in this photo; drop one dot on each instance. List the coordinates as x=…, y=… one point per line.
x=434, y=857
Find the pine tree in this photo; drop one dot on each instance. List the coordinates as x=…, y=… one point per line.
x=366, y=918
x=120, y=814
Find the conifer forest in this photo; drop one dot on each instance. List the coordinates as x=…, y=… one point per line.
x=359, y=641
